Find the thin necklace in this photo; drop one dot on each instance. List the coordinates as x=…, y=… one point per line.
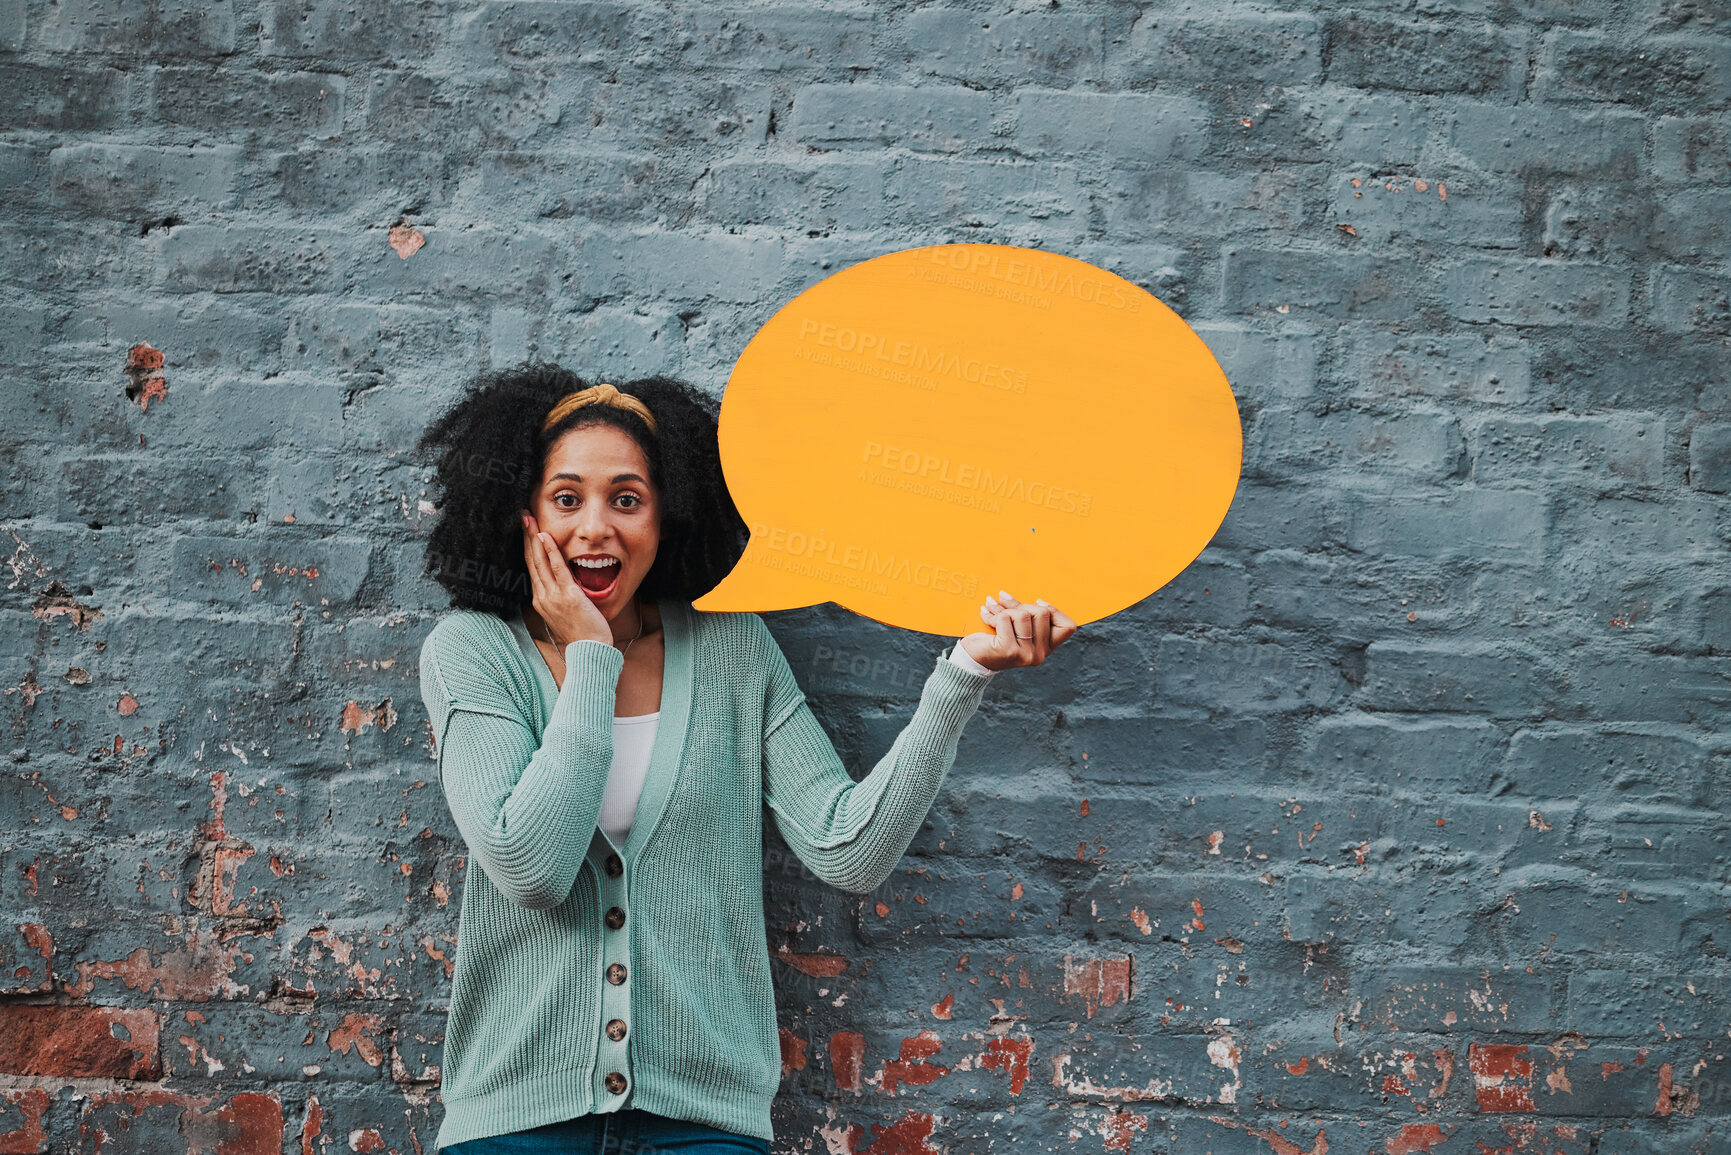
x=622, y=653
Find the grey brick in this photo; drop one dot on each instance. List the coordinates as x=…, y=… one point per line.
x=1710, y=458
x=1447, y=999
x=1248, y=678
x=1694, y=226
x=1286, y=442
x=1235, y=46
x=1687, y=150
x=161, y=27
x=511, y=31
x=62, y=98
x=1537, y=293
x=1038, y=46
x=241, y=572
x=1603, y=144
x=1441, y=755
x=1567, y=762
x=1430, y=677
x=1260, y=364
x=1423, y=57
x=13, y=22
x=1398, y=210
x=1321, y=283
x=1162, y=201
x=1608, y=453
x=1682, y=73
x=1691, y=301
x=930, y=191
x=933, y=119
x=334, y=30
x=282, y=107
x=370, y=183
x=252, y=259
x=1129, y=128
x=1333, y=125
x=1504, y=524
x=783, y=38
x=756, y=191
x=119, y=180
x=1382, y=365
x=680, y=266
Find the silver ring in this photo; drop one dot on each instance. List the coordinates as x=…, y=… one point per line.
x=1024, y=638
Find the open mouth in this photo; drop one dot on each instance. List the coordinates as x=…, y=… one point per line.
x=596, y=575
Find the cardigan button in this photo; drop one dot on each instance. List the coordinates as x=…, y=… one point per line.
x=616, y=973
x=614, y=867
x=615, y=1082
x=615, y=918
x=616, y=1029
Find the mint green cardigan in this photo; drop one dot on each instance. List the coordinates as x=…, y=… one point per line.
x=565, y=942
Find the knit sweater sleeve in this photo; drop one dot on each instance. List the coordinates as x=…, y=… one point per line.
x=526, y=811
x=851, y=834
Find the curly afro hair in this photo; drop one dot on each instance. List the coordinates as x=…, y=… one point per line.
x=488, y=455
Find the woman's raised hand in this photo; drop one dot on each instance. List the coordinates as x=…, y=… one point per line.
x=558, y=598
x=1021, y=635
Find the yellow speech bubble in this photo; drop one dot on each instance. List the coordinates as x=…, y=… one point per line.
x=930, y=426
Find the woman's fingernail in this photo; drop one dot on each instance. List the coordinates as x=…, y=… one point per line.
x=1006, y=595
x=1041, y=601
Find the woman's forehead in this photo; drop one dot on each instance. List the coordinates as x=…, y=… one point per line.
x=596, y=452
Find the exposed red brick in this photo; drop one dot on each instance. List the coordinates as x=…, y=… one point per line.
x=312, y=1125
x=1663, y=1105
x=1414, y=1137
x=144, y=367
x=1280, y=1144
x=906, y=1136
x=941, y=1010
x=406, y=240
x=846, y=1050
x=911, y=1067
x=792, y=1053
x=38, y=939
x=1099, y=982
x=197, y=974
x=1502, y=1076
x=818, y=966
x=357, y=1030
x=250, y=1124
x=1117, y=1128
x=80, y=1042
x=365, y=1140
x=1004, y=1054
x=28, y=1138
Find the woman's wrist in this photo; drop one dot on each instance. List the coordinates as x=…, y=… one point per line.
x=960, y=656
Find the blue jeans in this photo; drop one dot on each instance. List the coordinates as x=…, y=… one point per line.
x=626, y=1132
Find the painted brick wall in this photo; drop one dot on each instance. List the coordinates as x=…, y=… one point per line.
x=1396, y=824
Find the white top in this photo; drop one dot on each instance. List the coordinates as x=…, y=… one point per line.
x=634, y=739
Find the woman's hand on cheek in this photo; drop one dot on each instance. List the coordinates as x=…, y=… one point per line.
x=1019, y=634
x=558, y=598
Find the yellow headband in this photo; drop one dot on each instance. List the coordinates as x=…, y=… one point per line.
x=602, y=394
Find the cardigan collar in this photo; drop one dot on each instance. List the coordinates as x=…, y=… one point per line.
x=665, y=757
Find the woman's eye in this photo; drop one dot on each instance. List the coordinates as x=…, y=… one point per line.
x=631, y=500
x=561, y=497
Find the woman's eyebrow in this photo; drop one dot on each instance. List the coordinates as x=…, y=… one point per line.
x=617, y=477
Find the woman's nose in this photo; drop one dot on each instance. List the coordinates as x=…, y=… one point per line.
x=592, y=523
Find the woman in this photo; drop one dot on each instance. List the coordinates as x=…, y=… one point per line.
x=607, y=752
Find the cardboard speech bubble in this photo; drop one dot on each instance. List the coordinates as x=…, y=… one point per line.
x=929, y=426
